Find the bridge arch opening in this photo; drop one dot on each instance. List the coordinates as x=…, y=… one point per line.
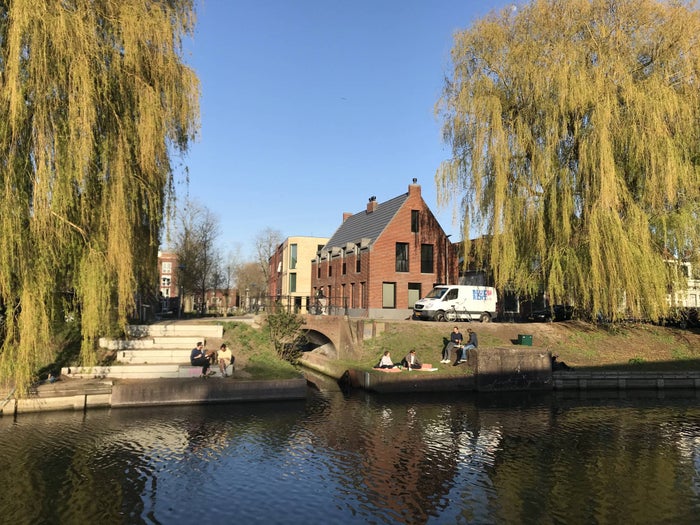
x=318, y=343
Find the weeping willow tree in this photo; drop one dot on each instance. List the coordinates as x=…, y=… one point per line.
x=574, y=128
x=94, y=99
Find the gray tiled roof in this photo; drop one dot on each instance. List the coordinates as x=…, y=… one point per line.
x=366, y=225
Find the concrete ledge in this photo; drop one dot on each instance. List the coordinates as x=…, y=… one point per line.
x=70, y=394
x=579, y=380
x=406, y=381
x=63, y=395
x=502, y=369
x=77, y=402
x=200, y=390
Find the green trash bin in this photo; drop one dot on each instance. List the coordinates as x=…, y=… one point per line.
x=525, y=339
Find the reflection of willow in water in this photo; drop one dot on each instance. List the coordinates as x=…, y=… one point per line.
x=356, y=459
x=106, y=465
x=76, y=484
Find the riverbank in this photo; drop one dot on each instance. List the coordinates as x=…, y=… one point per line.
x=623, y=357
x=84, y=394
x=506, y=379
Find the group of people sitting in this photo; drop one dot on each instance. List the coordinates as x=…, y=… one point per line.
x=200, y=356
x=455, y=343
x=409, y=362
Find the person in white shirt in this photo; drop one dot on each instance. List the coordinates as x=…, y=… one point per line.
x=385, y=361
x=225, y=358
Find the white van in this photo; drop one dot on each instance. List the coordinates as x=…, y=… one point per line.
x=457, y=302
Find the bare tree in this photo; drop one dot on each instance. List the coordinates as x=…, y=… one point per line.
x=199, y=260
x=252, y=283
x=229, y=268
x=266, y=242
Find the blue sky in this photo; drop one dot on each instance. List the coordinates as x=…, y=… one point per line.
x=309, y=107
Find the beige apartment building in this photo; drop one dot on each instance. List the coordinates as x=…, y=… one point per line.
x=290, y=271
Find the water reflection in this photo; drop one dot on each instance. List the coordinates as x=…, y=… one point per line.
x=360, y=458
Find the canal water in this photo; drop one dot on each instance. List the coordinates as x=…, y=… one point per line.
x=361, y=458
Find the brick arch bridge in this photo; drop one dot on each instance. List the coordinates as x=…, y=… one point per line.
x=337, y=336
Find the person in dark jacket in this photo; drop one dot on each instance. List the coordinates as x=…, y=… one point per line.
x=472, y=343
x=199, y=358
x=455, y=342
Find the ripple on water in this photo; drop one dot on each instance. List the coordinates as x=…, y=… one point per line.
x=355, y=459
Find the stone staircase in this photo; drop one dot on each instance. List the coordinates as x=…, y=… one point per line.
x=153, y=351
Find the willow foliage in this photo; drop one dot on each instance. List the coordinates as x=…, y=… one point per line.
x=94, y=98
x=574, y=127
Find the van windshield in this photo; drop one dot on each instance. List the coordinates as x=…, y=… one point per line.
x=436, y=293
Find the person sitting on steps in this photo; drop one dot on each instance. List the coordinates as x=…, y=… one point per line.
x=199, y=358
x=225, y=358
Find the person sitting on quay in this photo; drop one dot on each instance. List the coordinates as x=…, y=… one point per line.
x=199, y=358
x=411, y=361
x=455, y=342
x=385, y=361
x=225, y=358
x=472, y=344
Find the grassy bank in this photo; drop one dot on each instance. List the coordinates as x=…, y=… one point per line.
x=582, y=345
x=255, y=355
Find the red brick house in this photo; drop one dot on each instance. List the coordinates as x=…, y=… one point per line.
x=383, y=259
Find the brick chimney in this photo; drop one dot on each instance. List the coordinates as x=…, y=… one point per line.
x=414, y=187
x=372, y=204
x=346, y=216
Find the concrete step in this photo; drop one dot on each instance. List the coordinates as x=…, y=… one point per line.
x=175, y=329
x=154, y=356
x=138, y=371
x=147, y=343
x=123, y=371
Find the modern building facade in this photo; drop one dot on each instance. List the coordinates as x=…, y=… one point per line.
x=290, y=271
x=381, y=260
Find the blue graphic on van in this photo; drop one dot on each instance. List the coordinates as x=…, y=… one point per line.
x=480, y=295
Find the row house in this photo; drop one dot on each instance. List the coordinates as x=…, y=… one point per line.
x=290, y=271
x=167, y=269
x=381, y=260
x=169, y=296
